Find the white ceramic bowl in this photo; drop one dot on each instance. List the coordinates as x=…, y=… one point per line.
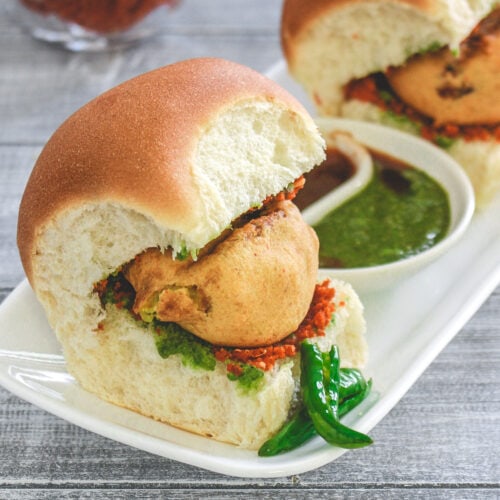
x=419, y=153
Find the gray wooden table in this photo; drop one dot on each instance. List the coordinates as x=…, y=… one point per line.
x=441, y=440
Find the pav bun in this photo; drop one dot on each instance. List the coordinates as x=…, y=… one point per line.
x=330, y=43
x=162, y=167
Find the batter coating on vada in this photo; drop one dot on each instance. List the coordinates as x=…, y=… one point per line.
x=273, y=257
x=463, y=90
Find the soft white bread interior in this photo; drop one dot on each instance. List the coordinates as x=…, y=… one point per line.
x=327, y=43
x=122, y=366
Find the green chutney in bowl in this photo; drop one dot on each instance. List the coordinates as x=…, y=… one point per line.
x=413, y=204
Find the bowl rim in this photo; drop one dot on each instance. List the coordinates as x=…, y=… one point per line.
x=413, y=150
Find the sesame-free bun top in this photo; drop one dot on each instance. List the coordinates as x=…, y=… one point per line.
x=327, y=43
x=168, y=160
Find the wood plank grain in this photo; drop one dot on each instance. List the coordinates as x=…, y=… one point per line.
x=357, y=492
x=16, y=164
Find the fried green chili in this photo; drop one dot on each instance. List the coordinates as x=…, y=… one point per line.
x=352, y=390
x=352, y=382
x=300, y=428
x=347, y=405
x=320, y=393
x=295, y=432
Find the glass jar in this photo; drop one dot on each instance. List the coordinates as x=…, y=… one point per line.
x=92, y=25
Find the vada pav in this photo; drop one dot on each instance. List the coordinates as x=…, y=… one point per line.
x=157, y=231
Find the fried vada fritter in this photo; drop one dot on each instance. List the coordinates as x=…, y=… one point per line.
x=463, y=89
x=252, y=289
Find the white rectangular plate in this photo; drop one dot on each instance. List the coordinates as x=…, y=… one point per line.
x=408, y=326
